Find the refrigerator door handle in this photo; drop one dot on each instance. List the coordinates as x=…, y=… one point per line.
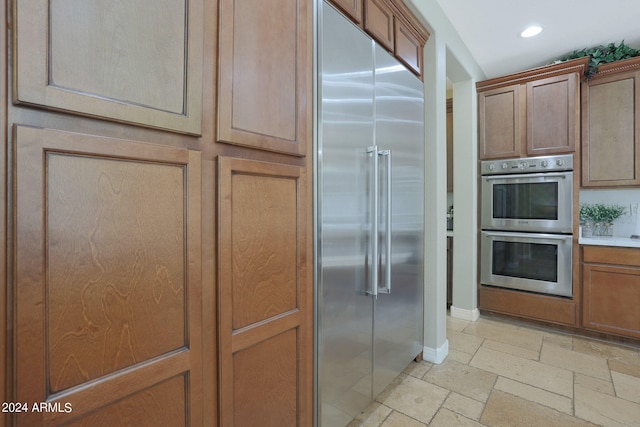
x=387, y=234
x=374, y=202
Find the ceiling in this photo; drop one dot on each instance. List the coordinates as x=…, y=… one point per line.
x=491, y=29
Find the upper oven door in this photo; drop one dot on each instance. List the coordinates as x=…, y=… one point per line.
x=529, y=202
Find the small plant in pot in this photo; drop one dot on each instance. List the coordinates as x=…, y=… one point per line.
x=599, y=218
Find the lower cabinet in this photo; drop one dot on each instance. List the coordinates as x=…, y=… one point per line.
x=264, y=295
x=611, y=290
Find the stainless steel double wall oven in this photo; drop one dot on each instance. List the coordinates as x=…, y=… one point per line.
x=527, y=224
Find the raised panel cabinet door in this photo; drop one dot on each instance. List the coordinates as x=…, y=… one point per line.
x=107, y=295
x=378, y=21
x=136, y=62
x=408, y=47
x=500, y=121
x=611, y=299
x=265, y=73
x=352, y=8
x=265, y=295
x=611, y=131
x=553, y=115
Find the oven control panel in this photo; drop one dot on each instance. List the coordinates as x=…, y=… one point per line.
x=562, y=162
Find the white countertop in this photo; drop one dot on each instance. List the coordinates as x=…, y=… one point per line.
x=610, y=241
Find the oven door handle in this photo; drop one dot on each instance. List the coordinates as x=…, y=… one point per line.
x=528, y=175
x=529, y=235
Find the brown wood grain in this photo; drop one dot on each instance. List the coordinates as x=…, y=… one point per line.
x=264, y=290
x=553, y=115
x=107, y=295
x=265, y=90
x=611, y=130
x=125, y=61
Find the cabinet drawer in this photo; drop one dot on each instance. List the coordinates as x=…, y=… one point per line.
x=611, y=255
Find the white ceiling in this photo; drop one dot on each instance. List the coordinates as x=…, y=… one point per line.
x=491, y=29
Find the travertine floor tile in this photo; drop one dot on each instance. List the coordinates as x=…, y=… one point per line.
x=463, y=379
x=502, y=374
x=446, y=418
x=604, y=409
x=512, y=349
x=507, y=410
x=455, y=324
x=534, y=394
x=463, y=342
x=626, y=386
x=418, y=369
x=575, y=361
x=551, y=378
x=558, y=339
x=459, y=356
x=397, y=419
x=416, y=398
x=506, y=333
x=595, y=384
x=464, y=406
x=374, y=416
x=626, y=355
x=624, y=368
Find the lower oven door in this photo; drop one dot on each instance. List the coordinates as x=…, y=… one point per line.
x=526, y=261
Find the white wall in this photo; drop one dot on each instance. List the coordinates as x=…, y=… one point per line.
x=446, y=55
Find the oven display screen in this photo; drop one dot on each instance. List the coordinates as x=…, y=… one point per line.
x=535, y=261
x=526, y=201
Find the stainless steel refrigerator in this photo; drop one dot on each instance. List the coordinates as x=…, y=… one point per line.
x=370, y=219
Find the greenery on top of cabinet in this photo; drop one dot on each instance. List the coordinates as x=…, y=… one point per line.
x=602, y=54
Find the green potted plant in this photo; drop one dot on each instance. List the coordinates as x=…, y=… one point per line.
x=599, y=218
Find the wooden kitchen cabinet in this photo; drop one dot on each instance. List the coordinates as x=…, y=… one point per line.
x=392, y=24
x=352, y=8
x=161, y=170
x=533, y=113
x=501, y=114
x=611, y=126
x=378, y=21
x=553, y=115
x=611, y=290
x=264, y=213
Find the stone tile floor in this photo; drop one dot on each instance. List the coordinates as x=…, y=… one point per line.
x=505, y=374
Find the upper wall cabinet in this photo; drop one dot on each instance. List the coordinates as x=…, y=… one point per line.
x=265, y=87
x=532, y=113
x=611, y=126
x=392, y=25
x=351, y=8
x=136, y=62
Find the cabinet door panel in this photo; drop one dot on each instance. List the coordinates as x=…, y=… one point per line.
x=107, y=293
x=409, y=49
x=552, y=117
x=611, y=299
x=352, y=8
x=611, y=140
x=378, y=21
x=265, y=315
x=500, y=120
x=265, y=74
x=136, y=62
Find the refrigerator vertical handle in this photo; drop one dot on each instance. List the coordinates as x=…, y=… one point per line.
x=387, y=236
x=374, y=203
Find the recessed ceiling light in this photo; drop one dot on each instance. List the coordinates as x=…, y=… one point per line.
x=531, y=31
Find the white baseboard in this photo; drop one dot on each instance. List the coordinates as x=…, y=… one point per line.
x=436, y=355
x=464, y=314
